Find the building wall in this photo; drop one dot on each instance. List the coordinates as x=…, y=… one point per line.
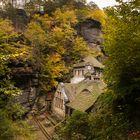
x=58, y=105
x=76, y=80
x=78, y=75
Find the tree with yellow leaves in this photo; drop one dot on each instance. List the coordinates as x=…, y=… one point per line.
x=55, y=45
x=11, y=49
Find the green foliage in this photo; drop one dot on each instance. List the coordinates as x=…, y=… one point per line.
x=7, y=51
x=123, y=68
x=10, y=112
x=77, y=127
x=5, y=129
x=122, y=45
x=103, y=124
x=106, y=123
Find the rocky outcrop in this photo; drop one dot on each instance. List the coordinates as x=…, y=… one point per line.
x=90, y=30
x=28, y=85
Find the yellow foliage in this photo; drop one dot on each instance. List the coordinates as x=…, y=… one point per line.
x=58, y=34
x=69, y=32
x=11, y=47
x=6, y=27
x=66, y=16
x=80, y=47
x=54, y=58
x=57, y=43
x=97, y=14
x=55, y=68
x=36, y=34
x=55, y=65
x=82, y=13
x=46, y=21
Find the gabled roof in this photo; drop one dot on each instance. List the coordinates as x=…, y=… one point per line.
x=83, y=100
x=89, y=60
x=70, y=90
x=93, y=61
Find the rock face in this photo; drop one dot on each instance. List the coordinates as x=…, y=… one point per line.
x=90, y=30
x=31, y=97
x=25, y=77
x=27, y=82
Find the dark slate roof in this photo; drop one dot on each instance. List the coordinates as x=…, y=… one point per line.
x=85, y=94
x=89, y=60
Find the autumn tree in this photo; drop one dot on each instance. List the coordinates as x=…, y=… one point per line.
x=55, y=45
x=11, y=49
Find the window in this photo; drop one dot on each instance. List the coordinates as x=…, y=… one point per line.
x=89, y=77
x=74, y=72
x=82, y=72
x=78, y=72
x=96, y=79
x=59, y=94
x=56, y=101
x=59, y=103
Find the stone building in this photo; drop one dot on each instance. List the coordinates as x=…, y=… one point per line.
x=81, y=93
x=89, y=68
